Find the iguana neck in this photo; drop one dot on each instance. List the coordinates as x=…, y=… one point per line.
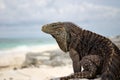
x=68, y=36
x=63, y=41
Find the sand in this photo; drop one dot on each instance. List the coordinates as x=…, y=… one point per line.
x=11, y=61
x=42, y=73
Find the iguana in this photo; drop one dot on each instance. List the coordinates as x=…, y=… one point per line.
x=96, y=54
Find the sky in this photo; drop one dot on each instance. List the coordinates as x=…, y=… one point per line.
x=24, y=18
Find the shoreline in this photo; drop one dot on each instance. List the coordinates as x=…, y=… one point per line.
x=32, y=48
x=56, y=64
x=48, y=66
x=17, y=56
x=39, y=62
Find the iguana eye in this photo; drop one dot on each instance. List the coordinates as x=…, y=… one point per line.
x=57, y=33
x=54, y=25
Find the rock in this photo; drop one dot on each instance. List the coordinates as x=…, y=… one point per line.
x=116, y=40
x=11, y=61
x=76, y=79
x=51, y=58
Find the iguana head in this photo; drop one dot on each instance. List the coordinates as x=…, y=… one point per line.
x=63, y=32
x=58, y=31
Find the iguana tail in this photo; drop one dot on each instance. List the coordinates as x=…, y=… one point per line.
x=111, y=69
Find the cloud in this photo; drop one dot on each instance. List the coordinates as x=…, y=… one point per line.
x=54, y=10
x=90, y=14
x=2, y=5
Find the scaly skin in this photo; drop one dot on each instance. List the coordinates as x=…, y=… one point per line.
x=95, y=53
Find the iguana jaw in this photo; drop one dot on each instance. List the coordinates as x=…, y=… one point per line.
x=59, y=35
x=46, y=29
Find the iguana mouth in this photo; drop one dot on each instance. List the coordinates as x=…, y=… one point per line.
x=44, y=29
x=47, y=30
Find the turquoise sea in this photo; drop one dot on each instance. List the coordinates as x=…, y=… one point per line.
x=8, y=43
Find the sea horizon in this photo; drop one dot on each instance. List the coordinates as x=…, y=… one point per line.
x=8, y=43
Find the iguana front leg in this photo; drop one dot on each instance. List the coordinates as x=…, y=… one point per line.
x=76, y=63
x=76, y=60
x=90, y=64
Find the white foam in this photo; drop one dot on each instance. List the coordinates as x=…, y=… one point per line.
x=26, y=49
x=16, y=56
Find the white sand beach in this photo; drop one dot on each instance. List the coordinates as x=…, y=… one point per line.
x=41, y=64
x=12, y=60
x=42, y=73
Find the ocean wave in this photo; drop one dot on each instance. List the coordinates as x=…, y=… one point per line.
x=26, y=49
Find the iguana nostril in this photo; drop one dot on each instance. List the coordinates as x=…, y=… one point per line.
x=43, y=28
